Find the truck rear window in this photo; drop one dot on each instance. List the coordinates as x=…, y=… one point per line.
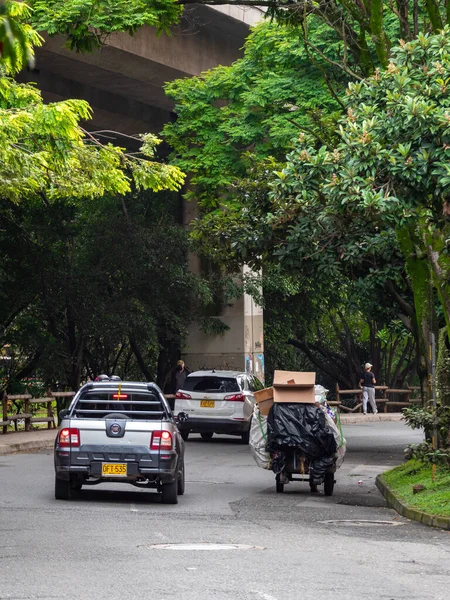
x=211, y=384
x=94, y=404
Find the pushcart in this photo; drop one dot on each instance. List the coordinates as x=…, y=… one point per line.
x=297, y=469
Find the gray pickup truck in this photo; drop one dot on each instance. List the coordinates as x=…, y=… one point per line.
x=121, y=432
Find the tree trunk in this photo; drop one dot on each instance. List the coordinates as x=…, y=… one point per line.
x=418, y=268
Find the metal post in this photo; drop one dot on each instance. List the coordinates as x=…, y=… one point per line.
x=433, y=398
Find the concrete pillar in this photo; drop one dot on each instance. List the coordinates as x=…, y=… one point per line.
x=253, y=337
x=239, y=348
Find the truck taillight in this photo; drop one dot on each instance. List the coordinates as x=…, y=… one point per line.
x=235, y=398
x=182, y=396
x=69, y=437
x=161, y=440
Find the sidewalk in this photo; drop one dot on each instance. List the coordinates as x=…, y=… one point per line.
x=25, y=441
x=370, y=418
x=28, y=441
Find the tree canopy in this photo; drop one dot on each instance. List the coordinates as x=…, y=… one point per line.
x=44, y=152
x=88, y=249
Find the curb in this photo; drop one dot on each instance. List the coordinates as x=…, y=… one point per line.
x=362, y=420
x=26, y=446
x=406, y=511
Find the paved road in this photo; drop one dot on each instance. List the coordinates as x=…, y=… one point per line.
x=98, y=546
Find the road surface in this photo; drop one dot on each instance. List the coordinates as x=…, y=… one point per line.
x=260, y=545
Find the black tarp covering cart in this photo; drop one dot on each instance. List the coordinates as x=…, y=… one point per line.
x=302, y=446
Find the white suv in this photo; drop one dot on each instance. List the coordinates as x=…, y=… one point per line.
x=217, y=402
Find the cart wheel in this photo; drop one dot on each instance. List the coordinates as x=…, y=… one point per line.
x=279, y=485
x=328, y=484
x=312, y=486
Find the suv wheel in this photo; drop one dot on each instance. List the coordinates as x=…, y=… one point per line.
x=245, y=436
x=62, y=489
x=169, y=492
x=184, y=435
x=206, y=435
x=181, y=481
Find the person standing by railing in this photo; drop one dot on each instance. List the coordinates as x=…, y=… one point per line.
x=368, y=382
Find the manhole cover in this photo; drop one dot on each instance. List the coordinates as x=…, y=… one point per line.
x=202, y=546
x=361, y=523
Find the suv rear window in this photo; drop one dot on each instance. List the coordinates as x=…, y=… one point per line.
x=211, y=384
x=94, y=404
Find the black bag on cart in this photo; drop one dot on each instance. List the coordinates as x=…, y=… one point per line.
x=300, y=426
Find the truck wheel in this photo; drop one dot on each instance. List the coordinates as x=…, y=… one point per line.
x=279, y=486
x=62, y=489
x=181, y=482
x=184, y=435
x=206, y=435
x=328, y=484
x=169, y=493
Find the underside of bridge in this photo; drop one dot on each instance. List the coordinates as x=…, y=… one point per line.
x=123, y=82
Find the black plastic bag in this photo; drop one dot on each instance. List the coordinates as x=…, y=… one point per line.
x=279, y=462
x=300, y=426
x=319, y=467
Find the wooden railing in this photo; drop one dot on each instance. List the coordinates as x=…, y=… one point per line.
x=26, y=412
x=384, y=399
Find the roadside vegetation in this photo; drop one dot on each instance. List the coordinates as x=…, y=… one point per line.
x=319, y=159
x=433, y=499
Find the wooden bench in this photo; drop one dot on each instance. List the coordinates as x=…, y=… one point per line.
x=26, y=415
x=358, y=392
x=8, y=419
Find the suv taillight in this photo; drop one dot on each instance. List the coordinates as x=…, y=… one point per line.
x=182, y=396
x=235, y=398
x=69, y=437
x=161, y=440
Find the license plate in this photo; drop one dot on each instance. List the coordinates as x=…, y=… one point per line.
x=207, y=403
x=114, y=470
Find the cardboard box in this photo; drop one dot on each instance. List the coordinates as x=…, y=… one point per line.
x=264, y=398
x=294, y=386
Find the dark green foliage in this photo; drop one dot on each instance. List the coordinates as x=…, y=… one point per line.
x=87, y=24
x=97, y=287
x=250, y=110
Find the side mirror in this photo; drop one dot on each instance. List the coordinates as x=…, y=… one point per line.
x=182, y=417
x=63, y=413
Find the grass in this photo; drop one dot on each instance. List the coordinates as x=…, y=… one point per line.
x=434, y=499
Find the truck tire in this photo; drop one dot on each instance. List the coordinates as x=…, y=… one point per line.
x=328, y=484
x=184, y=435
x=206, y=435
x=62, y=489
x=169, y=492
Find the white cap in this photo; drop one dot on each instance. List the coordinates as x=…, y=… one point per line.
x=368, y=366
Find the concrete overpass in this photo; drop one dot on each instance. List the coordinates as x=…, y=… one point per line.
x=123, y=83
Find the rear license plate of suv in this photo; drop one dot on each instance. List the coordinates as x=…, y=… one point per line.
x=114, y=470
x=207, y=403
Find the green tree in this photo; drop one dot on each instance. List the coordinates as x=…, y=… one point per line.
x=44, y=152
x=95, y=286
x=389, y=169
x=231, y=116
x=367, y=30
